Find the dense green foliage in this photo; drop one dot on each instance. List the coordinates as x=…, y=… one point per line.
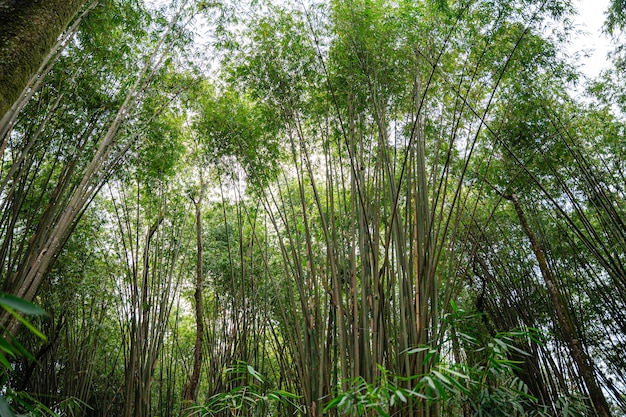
x=361, y=208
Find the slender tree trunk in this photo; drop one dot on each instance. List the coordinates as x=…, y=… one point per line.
x=191, y=390
x=137, y=387
x=569, y=331
x=28, y=30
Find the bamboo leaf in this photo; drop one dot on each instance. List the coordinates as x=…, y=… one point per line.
x=441, y=377
x=401, y=396
x=254, y=373
x=5, y=363
x=287, y=394
x=417, y=350
x=20, y=305
x=5, y=409
x=453, y=372
x=26, y=323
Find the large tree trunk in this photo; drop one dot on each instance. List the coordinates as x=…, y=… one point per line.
x=28, y=30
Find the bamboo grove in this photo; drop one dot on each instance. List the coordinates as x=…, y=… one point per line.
x=331, y=208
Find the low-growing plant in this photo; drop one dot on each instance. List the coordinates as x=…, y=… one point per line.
x=489, y=386
x=252, y=395
x=10, y=349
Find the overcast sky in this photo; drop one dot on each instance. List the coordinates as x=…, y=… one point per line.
x=590, y=19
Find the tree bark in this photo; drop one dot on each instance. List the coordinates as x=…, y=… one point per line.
x=28, y=30
x=569, y=331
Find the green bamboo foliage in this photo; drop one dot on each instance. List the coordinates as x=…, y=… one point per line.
x=380, y=111
x=147, y=264
x=549, y=155
x=399, y=212
x=73, y=135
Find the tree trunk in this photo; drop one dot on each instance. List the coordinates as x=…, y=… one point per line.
x=191, y=390
x=569, y=331
x=28, y=30
x=30, y=275
x=7, y=120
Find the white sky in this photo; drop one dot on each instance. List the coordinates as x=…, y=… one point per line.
x=591, y=15
x=590, y=18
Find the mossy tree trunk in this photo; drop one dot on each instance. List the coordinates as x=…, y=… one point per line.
x=28, y=30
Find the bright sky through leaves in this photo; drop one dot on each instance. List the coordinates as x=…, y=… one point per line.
x=591, y=15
